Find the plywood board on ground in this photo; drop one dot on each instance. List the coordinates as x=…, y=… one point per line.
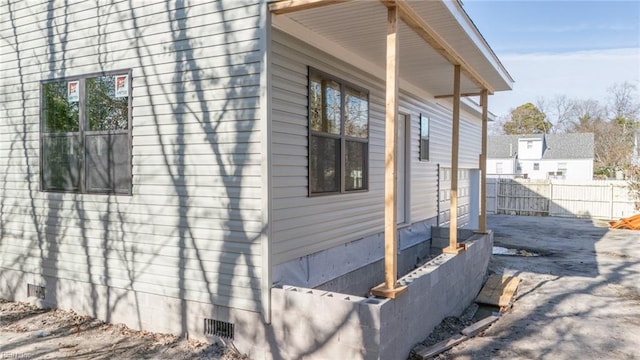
x=498, y=290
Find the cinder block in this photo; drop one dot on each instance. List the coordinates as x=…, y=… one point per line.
x=277, y=299
x=369, y=312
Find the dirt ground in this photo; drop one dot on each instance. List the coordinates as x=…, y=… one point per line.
x=579, y=299
x=27, y=332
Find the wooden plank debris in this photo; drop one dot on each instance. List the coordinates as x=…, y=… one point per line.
x=442, y=346
x=423, y=352
x=475, y=328
x=631, y=223
x=498, y=290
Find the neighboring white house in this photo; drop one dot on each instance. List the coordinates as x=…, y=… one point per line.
x=166, y=164
x=539, y=156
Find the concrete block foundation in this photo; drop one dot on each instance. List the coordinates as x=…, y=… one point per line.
x=318, y=324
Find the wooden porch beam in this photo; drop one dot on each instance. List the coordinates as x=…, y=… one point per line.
x=454, y=247
x=482, y=220
x=389, y=288
x=288, y=6
x=452, y=95
x=431, y=37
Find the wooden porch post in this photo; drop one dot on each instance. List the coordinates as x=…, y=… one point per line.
x=454, y=247
x=389, y=288
x=484, y=98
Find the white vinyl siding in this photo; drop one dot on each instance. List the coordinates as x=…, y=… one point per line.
x=191, y=228
x=302, y=225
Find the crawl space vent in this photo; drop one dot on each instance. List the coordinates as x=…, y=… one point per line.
x=218, y=328
x=35, y=290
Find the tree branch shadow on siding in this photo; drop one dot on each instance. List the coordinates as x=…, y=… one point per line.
x=232, y=175
x=187, y=67
x=233, y=259
x=55, y=227
x=7, y=211
x=114, y=243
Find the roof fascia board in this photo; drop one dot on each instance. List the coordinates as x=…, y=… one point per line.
x=474, y=34
x=433, y=38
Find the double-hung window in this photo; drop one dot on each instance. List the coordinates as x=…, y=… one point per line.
x=338, y=136
x=85, y=134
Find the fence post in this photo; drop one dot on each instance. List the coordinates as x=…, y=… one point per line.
x=550, y=204
x=497, y=196
x=611, y=202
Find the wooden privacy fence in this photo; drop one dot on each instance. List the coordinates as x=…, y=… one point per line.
x=602, y=199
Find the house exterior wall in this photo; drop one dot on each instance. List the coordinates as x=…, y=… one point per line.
x=495, y=167
x=304, y=225
x=530, y=148
x=576, y=169
x=191, y=230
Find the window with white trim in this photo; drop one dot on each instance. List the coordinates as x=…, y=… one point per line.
x=338, y=135
x=85, y=133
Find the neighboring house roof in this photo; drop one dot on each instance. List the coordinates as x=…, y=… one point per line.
x=558, y=146
x=502, y=146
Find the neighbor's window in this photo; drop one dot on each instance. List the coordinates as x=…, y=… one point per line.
x=338, y=135
x=562, y=167
x=85, y=134
x=536, y=166
x=424, y=137
x=499, y=168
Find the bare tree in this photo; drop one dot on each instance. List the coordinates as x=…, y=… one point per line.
x=583, y=115
x=623, y=107
x=562, y=109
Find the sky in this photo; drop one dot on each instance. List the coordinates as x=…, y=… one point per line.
x=574, y=48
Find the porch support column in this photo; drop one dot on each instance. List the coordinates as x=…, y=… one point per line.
x=482, y=220
x=389, y=288
x=454, y=247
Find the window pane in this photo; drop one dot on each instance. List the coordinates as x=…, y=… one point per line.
x=60, y=113
x=325, y=107
x=424, y=149
x=324, y=164
x=356, y=114
x=356, y=161
x=106, y=109
x=424, y=137
x=61, y=162
x=107, y=163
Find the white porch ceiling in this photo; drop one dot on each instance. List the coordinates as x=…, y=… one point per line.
x=360, y=27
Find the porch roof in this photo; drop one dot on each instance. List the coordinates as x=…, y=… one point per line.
x=356, y=30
